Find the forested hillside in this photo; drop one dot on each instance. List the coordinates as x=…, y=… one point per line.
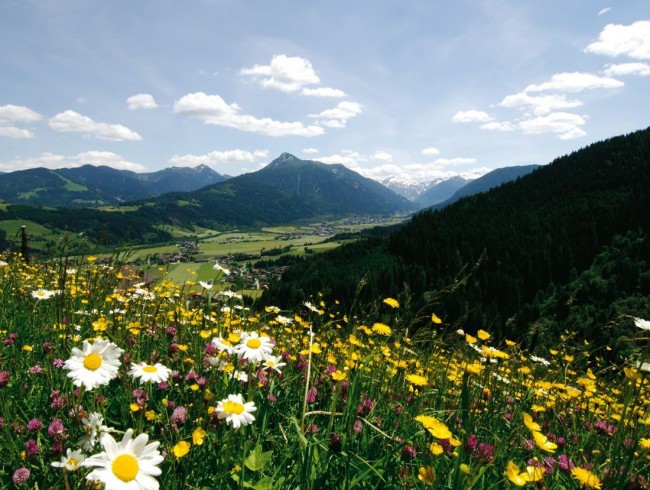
x=487, y=255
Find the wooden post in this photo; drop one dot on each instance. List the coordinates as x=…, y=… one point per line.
x=24, y=249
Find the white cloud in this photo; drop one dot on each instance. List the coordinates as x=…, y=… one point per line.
x=564, y=123
x=17, y=113
x=501, y=126
x=141, y=101
x=348, y=159
x=54, y=161
x=454, y=161
x=475, y=173
x=216, y=157
x=540, y=105
x=616, y=40
x=622, y=69
x=338, y=116
x=309, y=150
x=430, y=151
x=575, y=82
x=471, y=116
x=323, y=92
x=15, y=133
x=109, y=159
x=604, y=11
x=212, y=109
x=261, y=153
x=573, y=134
x=285, y=73
x=71, y=121
x=382, y=156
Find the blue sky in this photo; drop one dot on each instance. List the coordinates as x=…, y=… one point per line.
x=416, y=89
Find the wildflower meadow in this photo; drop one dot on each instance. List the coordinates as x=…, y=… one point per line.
x=108, y=382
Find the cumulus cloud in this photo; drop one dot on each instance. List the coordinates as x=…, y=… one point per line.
x=109, y=159
x=615, y=40
x=54, y=161
x=212, y=109
x=309, y=150
x=291, y=74
x=622, y=69
x=540, y=104
x=382, y=156
x=454, y=161
x=217, y=157
x=430, y=151
x=285, y=73
x=348, y=158
x=71, y=121
x=501, y=126
x=338, y=116
x=15, y=133
x=471, y=116
x=17, y=113
x=141, y=101
x=563, y=123
x=575, y=82
x=323, y=92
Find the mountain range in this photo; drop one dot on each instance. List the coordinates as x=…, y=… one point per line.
x=93, y=186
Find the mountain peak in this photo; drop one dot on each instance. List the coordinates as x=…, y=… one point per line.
x=282, y=159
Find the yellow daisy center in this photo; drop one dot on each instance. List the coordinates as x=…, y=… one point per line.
x=253, y=343
x=125, y=467
x=150, y=369
x=73, y=462
x=93, y=361
x=40, y=293
x=233, y=407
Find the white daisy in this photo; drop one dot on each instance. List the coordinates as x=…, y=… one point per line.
x=239, y=376
x=235, y=411
x=206, y=285
x=41, y=294
x=253, y=348
x=273, y=362
x=94, y=364
x=130, y=464
x=642, y=324
x=94, y=428
x=156, y=373
x=220, y=268
x=223, y=345
x=71, y=461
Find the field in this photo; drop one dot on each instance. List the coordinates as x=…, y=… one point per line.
x=209, y=391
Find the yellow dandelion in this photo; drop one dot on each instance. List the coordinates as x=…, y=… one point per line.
x=483, y=335
x=393, y=303
x=435, y=319
x=586, y=478
x=416, y=379
x=427, y=475
x=339, y=375
x=435, y=427
x=381, y=329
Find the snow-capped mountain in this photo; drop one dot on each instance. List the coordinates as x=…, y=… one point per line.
x=408, y=188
